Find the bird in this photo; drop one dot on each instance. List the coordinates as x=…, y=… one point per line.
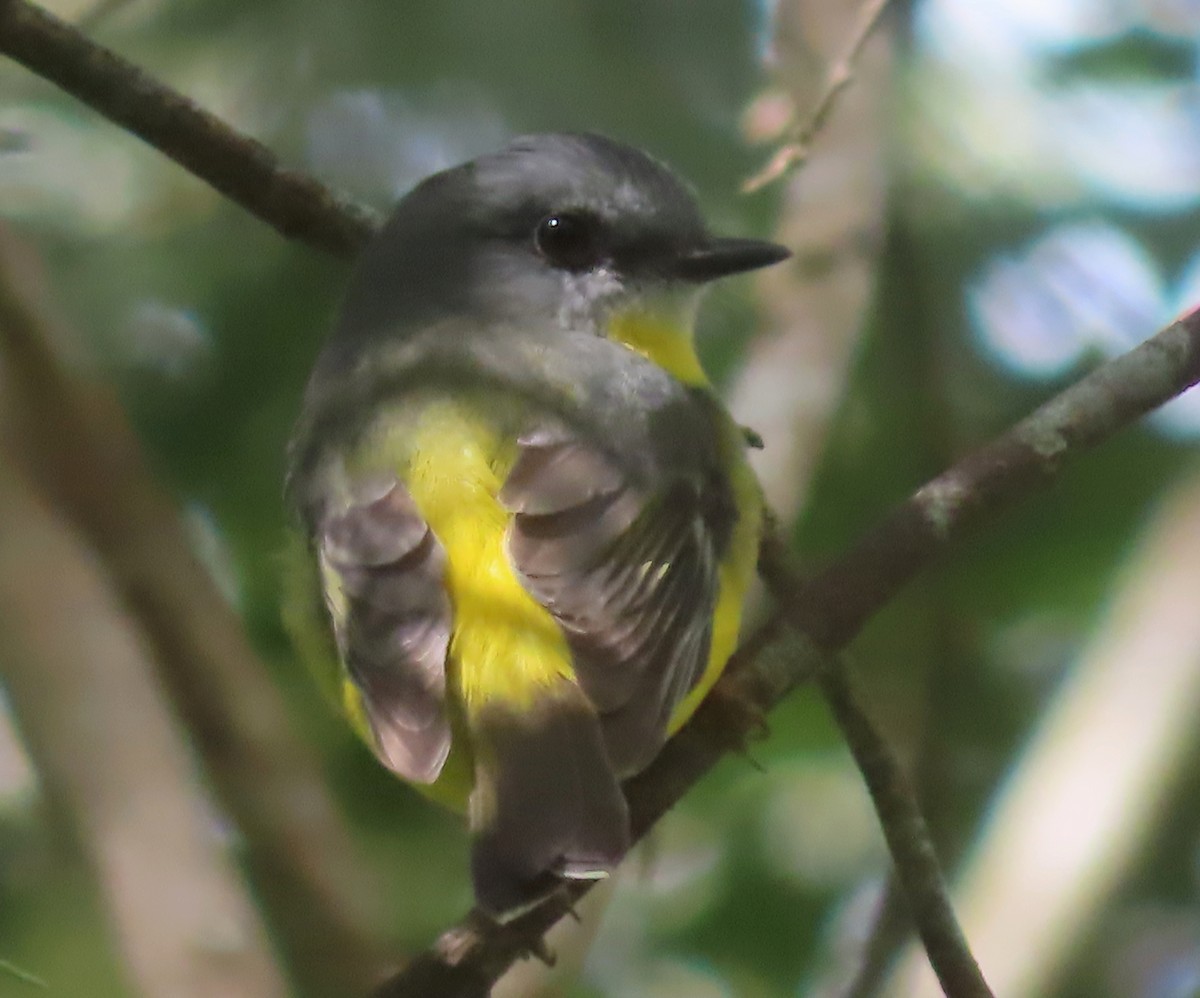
x=524, y=522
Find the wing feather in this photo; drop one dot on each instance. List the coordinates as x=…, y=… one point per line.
x=394, y=628
x=630, y=573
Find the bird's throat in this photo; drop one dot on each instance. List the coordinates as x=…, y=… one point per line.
x=664, y=340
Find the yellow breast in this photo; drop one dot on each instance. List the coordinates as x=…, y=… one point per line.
x=503, y=644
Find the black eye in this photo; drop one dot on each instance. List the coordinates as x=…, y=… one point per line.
x=570, y=241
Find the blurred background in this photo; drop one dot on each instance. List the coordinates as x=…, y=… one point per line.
x=1009, y=193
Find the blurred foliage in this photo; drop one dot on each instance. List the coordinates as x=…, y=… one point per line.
x=209, y=322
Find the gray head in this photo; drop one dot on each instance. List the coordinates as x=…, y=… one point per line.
x=560, y=228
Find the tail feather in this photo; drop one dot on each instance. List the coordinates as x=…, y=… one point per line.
x=546, y=804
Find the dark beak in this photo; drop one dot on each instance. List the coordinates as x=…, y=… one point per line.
x=722, y=257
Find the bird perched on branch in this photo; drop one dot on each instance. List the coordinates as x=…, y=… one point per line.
x=528, y=523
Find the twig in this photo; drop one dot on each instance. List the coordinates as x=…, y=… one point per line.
x=833, y=217
x=793, y=153
x=1039, y=879
x=241, y=168
x=908, y=840
x=24, y=976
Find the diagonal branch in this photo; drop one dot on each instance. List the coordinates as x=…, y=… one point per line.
x=917, y=869
x=834, y=604
x=243, y=169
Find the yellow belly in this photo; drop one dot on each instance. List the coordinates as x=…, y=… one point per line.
x=504, y=645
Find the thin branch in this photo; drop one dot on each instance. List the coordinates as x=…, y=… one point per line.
x=1039, y=879
x=24, y=976
x=917, y=867
x=792, y=154
x=241, y=168
x=833, y=218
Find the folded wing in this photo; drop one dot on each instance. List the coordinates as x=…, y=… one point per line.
x=629, y=570
x=391, y=618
